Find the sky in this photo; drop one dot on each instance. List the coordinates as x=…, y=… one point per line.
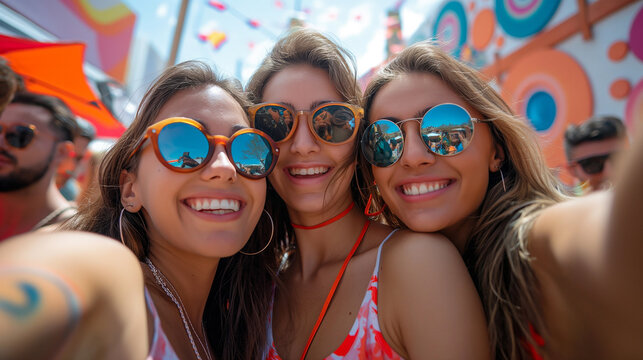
x=358, y=25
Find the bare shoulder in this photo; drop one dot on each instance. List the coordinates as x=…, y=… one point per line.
x=420, y=251
x=426, y=296
x=81, y=291
x=89, y=261
x=570, y=231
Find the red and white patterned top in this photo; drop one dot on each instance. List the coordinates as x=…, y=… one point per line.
x=161, y=349
x=365, y=340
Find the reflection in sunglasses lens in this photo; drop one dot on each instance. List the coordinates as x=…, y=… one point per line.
x=382, y=143
x=276, y=121
x=251, y=154
x=334, y=123
x=183, y=145
x=447, y=129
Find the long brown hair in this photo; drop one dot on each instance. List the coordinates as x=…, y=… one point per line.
x=310, y=47
x=497, y=251
x=236, y=311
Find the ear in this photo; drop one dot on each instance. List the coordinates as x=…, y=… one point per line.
x=129, y=194
x=497, y=158
x=64, y=154
x=64, y=162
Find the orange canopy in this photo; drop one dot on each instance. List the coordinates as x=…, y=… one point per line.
x=57, y=69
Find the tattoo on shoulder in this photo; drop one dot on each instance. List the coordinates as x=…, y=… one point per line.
x=29, y=292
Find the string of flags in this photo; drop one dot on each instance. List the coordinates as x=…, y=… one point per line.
x=217, y=37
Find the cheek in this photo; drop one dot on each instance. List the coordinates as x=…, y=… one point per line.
x=383, y=177
x=255, y=191
x=156, y=184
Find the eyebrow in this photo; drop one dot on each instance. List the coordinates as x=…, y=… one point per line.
x=236, y=128
x=417, y=115
x=202, y=124
x=233, y=130
x=421, y=113
x=312, y=105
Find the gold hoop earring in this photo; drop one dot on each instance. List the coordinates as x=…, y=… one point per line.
x=272, y=233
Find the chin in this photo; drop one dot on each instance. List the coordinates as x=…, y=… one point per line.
x=425, y=222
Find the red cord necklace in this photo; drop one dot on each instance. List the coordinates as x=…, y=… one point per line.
x=329, y=221
x=337, y=279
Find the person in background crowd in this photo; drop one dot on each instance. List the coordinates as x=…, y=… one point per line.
x=558, y=277
x=591, y=148
x=196, y=280
x=88, y=179
x=36, y=136
x=67, y=175
x=9, y=84
x=403, y=294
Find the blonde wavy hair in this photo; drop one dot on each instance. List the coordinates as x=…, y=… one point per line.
x=497, y=252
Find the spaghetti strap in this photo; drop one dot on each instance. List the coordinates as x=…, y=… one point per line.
x=160, y=348
x=379, y=251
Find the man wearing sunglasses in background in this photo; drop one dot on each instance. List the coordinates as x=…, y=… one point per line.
x=590, y=148
x=68, y=173
x=36, y=134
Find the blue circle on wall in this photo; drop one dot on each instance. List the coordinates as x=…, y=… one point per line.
x=450, y=27
x=541, y=110
x=521, y=18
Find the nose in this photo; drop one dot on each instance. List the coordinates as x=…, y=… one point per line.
x=220, y=167
x=416, y=153
x=303, y=142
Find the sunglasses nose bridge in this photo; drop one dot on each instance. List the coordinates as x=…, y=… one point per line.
x=302, y=113
x=416, y=150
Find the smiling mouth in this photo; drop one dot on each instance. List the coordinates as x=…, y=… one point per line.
x=310, y=171
x=214, y=206
x=422, y=188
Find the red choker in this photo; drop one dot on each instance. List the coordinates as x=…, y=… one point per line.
x=329, y=221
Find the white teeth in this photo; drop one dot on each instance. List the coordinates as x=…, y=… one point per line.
x=423, y=188
x=215, y=206
x=308, y=171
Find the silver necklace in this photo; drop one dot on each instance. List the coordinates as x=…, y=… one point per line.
x=187, y=324
x=205, y=346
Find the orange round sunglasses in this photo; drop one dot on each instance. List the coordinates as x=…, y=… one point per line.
x=183, y=145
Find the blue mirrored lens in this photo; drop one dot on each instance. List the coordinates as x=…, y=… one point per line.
x=334, y=123
x=183, y=145
x=275, y=121
x=251, y=154
x=382, y=143
x=447, y=129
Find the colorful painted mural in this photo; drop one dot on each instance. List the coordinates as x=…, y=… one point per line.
x=105, y=26
x=556, y=62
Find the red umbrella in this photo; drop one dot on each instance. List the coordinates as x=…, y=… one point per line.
x=57, y=69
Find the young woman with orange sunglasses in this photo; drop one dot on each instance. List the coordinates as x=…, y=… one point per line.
x=199, y=281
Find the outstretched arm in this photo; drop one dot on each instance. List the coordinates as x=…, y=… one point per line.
x=65, y=291
x=428, y=305
x=588, y=261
